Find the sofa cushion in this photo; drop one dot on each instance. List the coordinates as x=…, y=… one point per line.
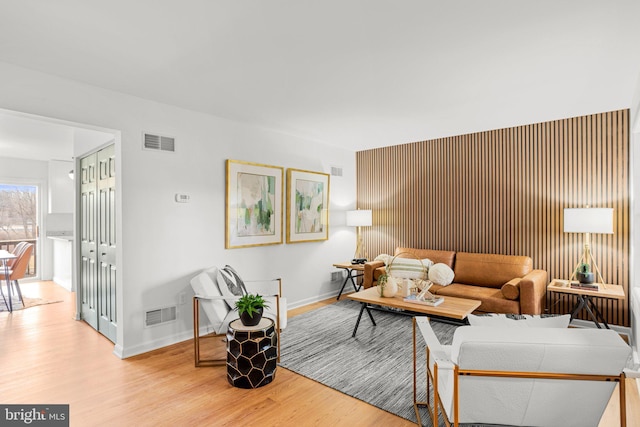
x=511, y=289
x=492, y=300
x=490, y=270
x=441, y=274
x=519, y=321
x=445, y=257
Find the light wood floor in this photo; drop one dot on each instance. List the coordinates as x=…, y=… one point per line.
x=46, y=357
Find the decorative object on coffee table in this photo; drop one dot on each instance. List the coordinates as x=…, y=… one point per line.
x=387, y=286
x=252, y=353
x=250, y=308
x=403, y=275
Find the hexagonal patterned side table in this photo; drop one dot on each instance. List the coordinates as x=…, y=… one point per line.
x=252, y=353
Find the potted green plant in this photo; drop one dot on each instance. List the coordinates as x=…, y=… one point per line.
x=584, y=274
x=250, y=308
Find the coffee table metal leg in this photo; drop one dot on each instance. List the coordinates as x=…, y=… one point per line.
x=370, y=315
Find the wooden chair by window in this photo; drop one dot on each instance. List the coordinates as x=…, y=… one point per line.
x=16, y=251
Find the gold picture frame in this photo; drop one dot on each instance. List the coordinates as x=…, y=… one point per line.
x=307, y=206
x=253, y=204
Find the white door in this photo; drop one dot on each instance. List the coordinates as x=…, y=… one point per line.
x=97, y=241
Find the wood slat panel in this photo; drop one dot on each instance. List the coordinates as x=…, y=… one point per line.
x=504, y=191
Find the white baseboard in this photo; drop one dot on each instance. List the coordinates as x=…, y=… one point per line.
x=317, y=298
x=61, y=281
x=123, y=353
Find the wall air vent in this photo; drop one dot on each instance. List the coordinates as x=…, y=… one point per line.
x=160, y=315
x=159, y=142
x=336, y=170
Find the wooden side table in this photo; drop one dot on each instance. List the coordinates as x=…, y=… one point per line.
x=252, y=353
x=359, y=272
x=585, y=298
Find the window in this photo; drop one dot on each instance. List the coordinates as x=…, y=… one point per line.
x=18, y=218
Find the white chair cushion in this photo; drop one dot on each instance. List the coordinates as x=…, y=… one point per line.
x=204, y=284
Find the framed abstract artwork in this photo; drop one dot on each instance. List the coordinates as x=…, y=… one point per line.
x=307, y=206
x=254, y=204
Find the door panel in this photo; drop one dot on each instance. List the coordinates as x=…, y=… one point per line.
x=107, y=244
x=88, y=246
x=98, y=229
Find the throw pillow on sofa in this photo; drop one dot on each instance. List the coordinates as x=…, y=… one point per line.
x=520, y=320
x=230, y=284
x=441, y=274
x=409, y=268
x=405, y=268
x=511, y=289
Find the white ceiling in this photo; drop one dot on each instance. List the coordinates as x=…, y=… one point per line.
x=26, y=137
x=354, y=73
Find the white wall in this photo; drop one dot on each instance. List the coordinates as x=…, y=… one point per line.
x=61, y=195
x=162, y=244
x=634, y=288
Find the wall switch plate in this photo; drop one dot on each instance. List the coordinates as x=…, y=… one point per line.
x=182, y=298
x=182, y=198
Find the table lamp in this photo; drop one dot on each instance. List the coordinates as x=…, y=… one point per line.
x=588, y=220
x=359, y=218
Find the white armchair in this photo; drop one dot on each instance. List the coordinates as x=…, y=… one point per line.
x=521, y=376
x=217, y=304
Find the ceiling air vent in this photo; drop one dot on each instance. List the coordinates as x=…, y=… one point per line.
x=336, y=170
x=160, y=315
x=159, y=142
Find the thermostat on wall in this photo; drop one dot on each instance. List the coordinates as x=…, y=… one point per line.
x=182, y=198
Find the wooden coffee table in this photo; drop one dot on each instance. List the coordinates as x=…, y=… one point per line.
x=451, y=307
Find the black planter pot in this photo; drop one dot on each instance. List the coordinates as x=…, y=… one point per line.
x=585, y=277
x=251, y=321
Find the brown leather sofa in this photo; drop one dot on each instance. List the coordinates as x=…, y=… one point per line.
x=480, y=277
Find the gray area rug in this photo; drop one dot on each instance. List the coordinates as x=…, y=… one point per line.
x=376, y=366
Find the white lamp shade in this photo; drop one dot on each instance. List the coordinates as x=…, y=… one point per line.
x=359, y=218
x=588, y=220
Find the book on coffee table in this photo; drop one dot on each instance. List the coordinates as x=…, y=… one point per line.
x=432, y=301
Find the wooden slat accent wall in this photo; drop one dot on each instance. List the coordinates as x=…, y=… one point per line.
x=503, y=192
